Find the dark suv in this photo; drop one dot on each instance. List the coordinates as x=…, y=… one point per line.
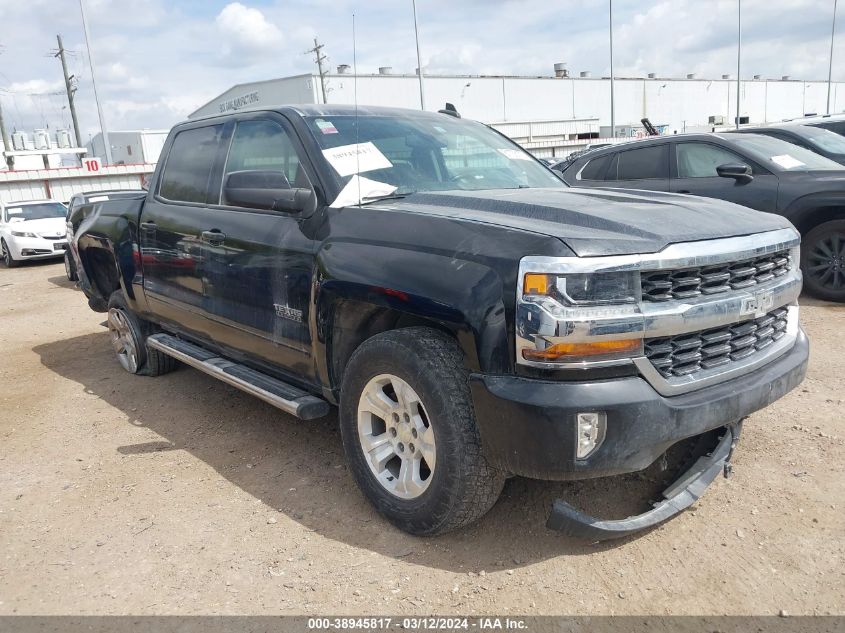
x=753, y=170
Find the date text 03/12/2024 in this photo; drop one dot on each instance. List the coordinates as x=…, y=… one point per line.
x=418, y=623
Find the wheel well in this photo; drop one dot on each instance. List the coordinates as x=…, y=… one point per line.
x=355, y=322
x=813, y=217
x=101, y=269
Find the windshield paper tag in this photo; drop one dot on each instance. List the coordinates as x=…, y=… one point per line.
x=514, y=154
x=326, y=127
x=786, y=161
x=345, y=161
x=16, y=211
x=359, y=188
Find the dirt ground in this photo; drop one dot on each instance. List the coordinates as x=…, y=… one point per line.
x=181, y=495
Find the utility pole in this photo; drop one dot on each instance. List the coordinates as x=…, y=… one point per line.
x=612, y=108
x=830, y=65
x=738, y=56
x=419, y=57
x=70, y=91
x=320, y=58
x=106, y=143
x=7, y=147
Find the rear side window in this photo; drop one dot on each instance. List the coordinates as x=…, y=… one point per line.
x=643, y=164
x=833, y=126
x=188, y=169
x=594, y=170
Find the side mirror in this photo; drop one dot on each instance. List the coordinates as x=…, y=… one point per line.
x=737, y=171
x=269, y=190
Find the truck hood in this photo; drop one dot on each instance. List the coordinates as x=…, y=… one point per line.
x=596, y=222
x=49, y=227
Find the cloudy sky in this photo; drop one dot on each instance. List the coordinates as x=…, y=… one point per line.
x=157, y=60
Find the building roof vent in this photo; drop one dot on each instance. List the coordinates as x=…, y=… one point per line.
x=344, y=69
x=585, y=73
x=757, y=76
x=726, y=76
x=652, y=75
x=690, y=75
x=385, y=70
x=785, y=78
x=560, y=70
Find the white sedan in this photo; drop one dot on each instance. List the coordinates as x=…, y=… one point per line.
x=35, y=229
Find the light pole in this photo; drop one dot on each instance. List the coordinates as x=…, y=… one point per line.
x=612, y=109
x=738, y=55
x=419, y=57
x=103, y=130
x=830, y=64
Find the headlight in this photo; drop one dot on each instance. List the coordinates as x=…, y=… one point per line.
x=584, y=289
x=23, y=234
x=603, y=300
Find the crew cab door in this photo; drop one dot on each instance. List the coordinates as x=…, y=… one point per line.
x=258, y=263
x=694, y=171
x=171, y=251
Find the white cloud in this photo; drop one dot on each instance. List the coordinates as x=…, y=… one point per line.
x=246, y=31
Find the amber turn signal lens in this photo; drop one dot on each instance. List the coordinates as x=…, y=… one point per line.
x=536, y=284
x=562, y=351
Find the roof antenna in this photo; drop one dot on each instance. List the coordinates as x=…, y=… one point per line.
x=355, y=97
x=451, y=110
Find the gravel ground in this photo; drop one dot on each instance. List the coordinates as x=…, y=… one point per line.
x=180, y=495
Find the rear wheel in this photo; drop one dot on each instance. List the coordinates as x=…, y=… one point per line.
x=823, y=260
x=409, y=432
x=70, y=267
x=10, y=261
x=128, y=338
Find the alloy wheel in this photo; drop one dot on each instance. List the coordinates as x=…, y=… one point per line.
x=826, y=261
x=396, y=436
x=123, y=341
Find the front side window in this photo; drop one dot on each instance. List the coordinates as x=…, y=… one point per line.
x=426, y=152
x=265, y=146
x=596, y=168
x=643, y=164
x=700, y=160
x=187, y=171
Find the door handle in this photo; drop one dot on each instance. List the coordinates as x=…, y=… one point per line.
x=684, y=191
x=148, y=227
x=213, y=237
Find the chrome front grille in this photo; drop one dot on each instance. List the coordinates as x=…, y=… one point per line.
x=687, y=283
x=685, y=354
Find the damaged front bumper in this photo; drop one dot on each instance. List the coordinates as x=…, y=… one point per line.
x=680, y=495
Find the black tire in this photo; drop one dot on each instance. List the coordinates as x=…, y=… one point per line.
x=150, y=362
x=463, y=485
x=10, y=261
x=70, y=267
x=823, y=261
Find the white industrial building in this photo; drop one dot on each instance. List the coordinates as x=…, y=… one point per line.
x=563, y=112
x=130, y=147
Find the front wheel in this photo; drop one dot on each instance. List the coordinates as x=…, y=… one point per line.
x=409, y=432
x=70, y=267
x=823, y=261
x=10, y=261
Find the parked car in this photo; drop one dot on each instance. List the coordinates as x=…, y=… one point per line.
x=816, y=139
x=33, y=229
x=753, y=170
x=470, y=315
x=832, y=122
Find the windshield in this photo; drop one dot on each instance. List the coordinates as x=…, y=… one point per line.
x=823, y=139
x=779, y=155
x=36, y=211
x=426, y=153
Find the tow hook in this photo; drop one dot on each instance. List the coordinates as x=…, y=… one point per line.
x=734, y=429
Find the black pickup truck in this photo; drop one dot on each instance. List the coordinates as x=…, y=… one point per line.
x=471, y=316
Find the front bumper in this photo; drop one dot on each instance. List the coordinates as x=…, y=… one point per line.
x=36, y=248
x=528, y=426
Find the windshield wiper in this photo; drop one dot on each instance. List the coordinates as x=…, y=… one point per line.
x=389, y=196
